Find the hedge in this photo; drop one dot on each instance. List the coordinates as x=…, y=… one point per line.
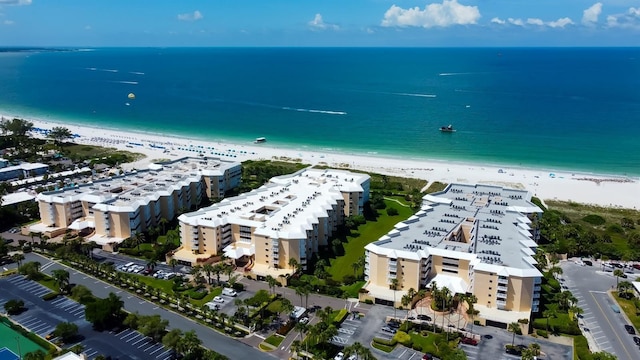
x=392, y=342
x=581, y=347
x=568, y=327
x=50, y=296
x=340, y=316
x=542, y=333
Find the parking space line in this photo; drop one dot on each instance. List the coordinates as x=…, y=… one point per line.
x=153, y=344
x=127, y=331
x=156, y=350
x=163, y=353
x=146, y=342
x=131, y=333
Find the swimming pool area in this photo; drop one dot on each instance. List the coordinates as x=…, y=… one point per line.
x=16, y=343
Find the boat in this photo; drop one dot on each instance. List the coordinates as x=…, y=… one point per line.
x=260, y=140
x=448, y=129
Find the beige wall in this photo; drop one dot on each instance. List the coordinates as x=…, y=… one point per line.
x=485, y=284
x=520, y=294
x=411, y=277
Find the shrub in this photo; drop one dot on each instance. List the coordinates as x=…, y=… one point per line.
x=340, y=316
x=391, y=211
x=391, y=342
x=594, y=219
x=197, y=295
x=542, y=333
x=238, y=286
x=349, y=279
x=50, y=296
x=582, y=348
x=14, y=307
x=403, y=338
x=368, y=301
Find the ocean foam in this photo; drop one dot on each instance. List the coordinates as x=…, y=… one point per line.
x=126, y=82
x=330, y=112
x=136, y=72
x=416, y=95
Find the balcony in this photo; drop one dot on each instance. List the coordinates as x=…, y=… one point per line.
x=501, y=304
x=537, y=288
x=393, y=268
x=536, y=295
x=503, y=280
x=393, y=261
x=537, y=281
x=502, y=287
x=535, y=303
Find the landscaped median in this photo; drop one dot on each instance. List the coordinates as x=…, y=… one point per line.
x=271, y=343
x=439, y=344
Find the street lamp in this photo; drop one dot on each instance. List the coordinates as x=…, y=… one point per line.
x=19, y=351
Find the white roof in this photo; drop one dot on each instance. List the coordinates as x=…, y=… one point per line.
x=16, y=198
x=81, y=224
x=453, y=283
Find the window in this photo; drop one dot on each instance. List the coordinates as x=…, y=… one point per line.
x=490, y=281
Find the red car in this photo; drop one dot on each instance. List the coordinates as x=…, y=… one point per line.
x=469, y=341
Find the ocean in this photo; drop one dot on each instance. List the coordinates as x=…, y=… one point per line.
x=574, y=109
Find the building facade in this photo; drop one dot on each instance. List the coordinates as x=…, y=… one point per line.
x=24, y=170
x=114, y=209
x=290, y=217
x=474, y=239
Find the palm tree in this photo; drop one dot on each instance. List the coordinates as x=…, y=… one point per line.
x=293, y=263
x=541, y=258
x=405, y=301
x=618, y=274
x=394, y=286
x=271, y=281
x=217, y=271
x=138, y=239
x=355, y=266
x=576, y=311
x=18, y=258
x=163, y=222
x=555, y=270
x=295, y=347
x=513, y=327
x=551, y=311
x=61, y=278
x=623, y=289
x=172, y=339
x=173, y=263
x=196, y=271
x=188, y=343
x=152, y=264
x=208, y=270
x=565, y=299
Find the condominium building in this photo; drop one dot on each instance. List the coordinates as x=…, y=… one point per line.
x=473, y=239
x=289, y=217
x=114, y=209
x=23, y=170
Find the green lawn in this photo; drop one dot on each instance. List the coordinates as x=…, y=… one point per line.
x=629, y=309
x=274, y=340
x=369, y=232
x=352, y=290
x=165, y=285
x=427, y=343
x=48, y=282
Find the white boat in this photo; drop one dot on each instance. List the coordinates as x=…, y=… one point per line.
x=260, y=140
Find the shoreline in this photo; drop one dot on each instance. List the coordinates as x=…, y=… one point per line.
x=617, y=191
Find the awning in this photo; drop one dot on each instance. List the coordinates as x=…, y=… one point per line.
x=455, y=284
x=235, y=252
x=79, y=225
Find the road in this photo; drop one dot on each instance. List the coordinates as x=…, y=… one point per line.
x=211, y=339
x=590, y=285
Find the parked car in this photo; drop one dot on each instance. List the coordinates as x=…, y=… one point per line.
x=389, y=329
x=304, y=320
x=636, y=266
x=352, y=357
x=339, y=356
x=393, y=324
x=588, y=262
x=630, y=329
x=212, y=306
x=229, y=292
x=469, y=341
x=424, y=317
x=636, y=340
x=218, y=299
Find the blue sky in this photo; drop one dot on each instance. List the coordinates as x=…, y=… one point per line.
x=319, y=23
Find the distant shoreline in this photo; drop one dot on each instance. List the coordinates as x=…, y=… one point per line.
x=561, y=185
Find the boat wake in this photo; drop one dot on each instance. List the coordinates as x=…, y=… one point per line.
x=416, y=95
x=105, y=70
x=454, y=74
x=330, y=112
x=126, y=82
x=136, y=72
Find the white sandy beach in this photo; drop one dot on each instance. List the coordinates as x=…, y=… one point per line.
x=609, y=191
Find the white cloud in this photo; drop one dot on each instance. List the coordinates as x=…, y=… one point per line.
x=535, y=21
x=590, y=15
x=513, y=21
x=450, y=12
x=496, y=20
x=15, y=2
x=8, y=22
x=318, y=24
x=194, y=16
x=630, y=19
x=560, y=23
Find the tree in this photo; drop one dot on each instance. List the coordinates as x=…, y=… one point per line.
x=208, y=270
x=61, y=278
x=293, y=264
x=14, y=307
x=618, y=273
x=550, y=312
x=625, y=289
x=66, y=331
x=513, y=327
x=189, y=343
x=302, y=291
x=172, y=339
x=173, y=263
x=602, y=355
x=406, y=300
x=18, y=129
x=138, y=238
x=35, y=355
x=163, y=222
x=17, y=258
x=152, y=326
x=394, y=286
x=271, y=281
x=59, y=134
x=565, y=299
x=152, y=264
x=105, y=313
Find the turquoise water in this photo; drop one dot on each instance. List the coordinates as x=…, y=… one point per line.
x=572, y=109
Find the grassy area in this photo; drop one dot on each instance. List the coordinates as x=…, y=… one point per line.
x=629, y=309
x=275, y=307
x=109, y=156
x=352, y=290
x=367, y=233
x=382, y=347
x=165, y=285
x=49, y=283
x=427, y=343
x=274, y=340
x=435, y=187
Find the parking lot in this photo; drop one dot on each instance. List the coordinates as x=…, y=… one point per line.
x=42, y=317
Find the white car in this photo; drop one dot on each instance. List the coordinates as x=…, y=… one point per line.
x=339, y=356
x=212, y=306
x=352, y=357
x=218, y=299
